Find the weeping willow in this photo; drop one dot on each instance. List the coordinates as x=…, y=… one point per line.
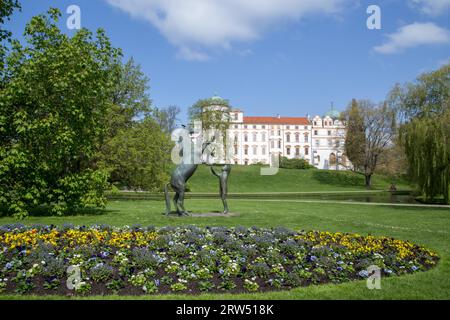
x=427, y=147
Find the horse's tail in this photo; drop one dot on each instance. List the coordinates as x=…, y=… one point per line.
x=166, y=195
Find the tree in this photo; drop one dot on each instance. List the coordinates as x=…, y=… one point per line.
x=7, y=8
x=53, y=116
x=167, y=118
x=214, y=116
x=424, y=108
x=130, y=99
x=371, y=129
x=134, y=159
x=138, y=157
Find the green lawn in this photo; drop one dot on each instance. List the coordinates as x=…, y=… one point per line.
x=427, y=226
x=249, y=179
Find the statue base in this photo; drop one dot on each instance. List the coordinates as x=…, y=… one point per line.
x=205, y=214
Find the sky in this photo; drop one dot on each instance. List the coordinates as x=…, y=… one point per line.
x=267, y=57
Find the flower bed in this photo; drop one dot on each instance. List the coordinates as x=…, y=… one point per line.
x=135, y=260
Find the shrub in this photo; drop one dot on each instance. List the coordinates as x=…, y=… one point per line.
x=294, y=163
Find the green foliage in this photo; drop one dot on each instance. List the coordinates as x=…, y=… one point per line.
x=138, y=157
x=355, y=140
x=213, y=115
x=53, y=111
x=425, y=134
x=371, y=129
x=7, y=8
x=130, y=99
x=166, y=118
x=294, y=163
x=338, y=178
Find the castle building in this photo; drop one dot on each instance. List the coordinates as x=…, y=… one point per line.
x=259, y=139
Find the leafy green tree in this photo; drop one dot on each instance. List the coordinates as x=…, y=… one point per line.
x=370, y=134
x=424, y=109
x=167, y=118
x=355, y=139
x=213, y=114
x=7, y=8
x=53, y=115
x=130, y=99
x=139, y=157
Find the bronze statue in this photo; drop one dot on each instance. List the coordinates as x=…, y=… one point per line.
x=178, y=180
x=223, y=180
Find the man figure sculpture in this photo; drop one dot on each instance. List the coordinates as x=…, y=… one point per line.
x=223, y=179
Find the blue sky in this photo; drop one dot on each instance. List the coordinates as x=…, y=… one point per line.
x=288, y=57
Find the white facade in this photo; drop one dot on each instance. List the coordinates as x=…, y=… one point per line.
x=319, y=140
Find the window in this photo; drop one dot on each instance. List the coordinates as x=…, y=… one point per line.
x=306, y=151
x=306, y=128
x=236, y=139
x=329, y=132
x=263, y=151
x=306, y=137
x=236, y=116
x=236, y=126
x=255, y=137
x=315, y=123
x=297, y=151
x=263, y=136
x=288, y=151
x=330, y=142
x=245, y=126
x=254, y=127
x=296, y=127
x=288, y=127
x=235, y=150
x=263, y=127
x=235, y=162
x=272, y=133
x=288, y=137
x=316, y=133
x=317, y=142
x=245, y=137
x=338, y=143
x=255, y=150
x=272, y=144
x=279, y=132
x=246, y=150
x=318, y=159
x=297, y=137
x=279, y=144
x=246, y=162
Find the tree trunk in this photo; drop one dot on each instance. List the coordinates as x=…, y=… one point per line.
x=368, y=181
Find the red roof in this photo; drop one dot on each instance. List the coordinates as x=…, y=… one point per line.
x=276, y=120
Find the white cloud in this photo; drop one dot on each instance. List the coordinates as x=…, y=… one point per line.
x=196, y=27
x=432, y=7
x=414, y=35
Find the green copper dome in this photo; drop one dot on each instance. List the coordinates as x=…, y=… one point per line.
x=216, y=97
x=333, y=113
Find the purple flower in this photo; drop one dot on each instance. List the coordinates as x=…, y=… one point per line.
x=339, y=268
x=9, y=265
x=363, y=273
x=414, y=268
x=221, y=271
x=157, y=282
x=104, y=254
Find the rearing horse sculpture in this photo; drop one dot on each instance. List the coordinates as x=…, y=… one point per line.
x=178, y=180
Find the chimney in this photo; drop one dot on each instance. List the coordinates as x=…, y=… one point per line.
x=278, y=116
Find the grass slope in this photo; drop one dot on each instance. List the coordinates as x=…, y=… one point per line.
x=426, y=226
x=249, y=179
